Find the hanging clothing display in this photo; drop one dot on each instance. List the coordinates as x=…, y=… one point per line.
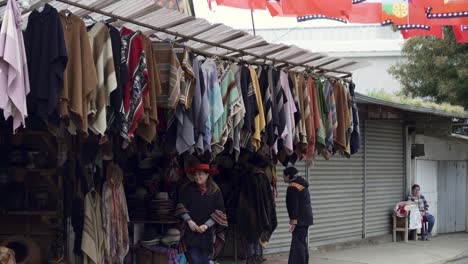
x=201, y=110
x=187, y=85
x=107, y=82
x=163, y=103
x=92, y=243
x=251, y=106
x=120, y=83
x=184, y=113
x=215, y=99
x=47, y=58
x=149, y=118
x=115, y=216
x=115, y=112
x=330, y=120
x=355, y=140
x=301, y=135
x=288, y=112
x=257, y=215
x=278, y=119
x=323, y=112
x=171, y=74
x=231, y=107
x=308, y=114
x=238, y=120
x=343, y=117
x=260, y=116
x=265, y=87
x=185, y=129
x=14, y=77
x=315, y=121
x=133, y=56
x=80, y=79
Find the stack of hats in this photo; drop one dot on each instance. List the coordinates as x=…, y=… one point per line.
x=172, y=237
x=136, y=203
x=145, y=168
x=151, y=237
x=162, y=208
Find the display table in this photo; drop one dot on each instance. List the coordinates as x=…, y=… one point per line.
x=159, y=255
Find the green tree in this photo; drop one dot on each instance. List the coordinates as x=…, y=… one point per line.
x=434, y=69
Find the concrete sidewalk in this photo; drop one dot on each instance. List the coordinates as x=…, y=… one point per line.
x=440, y=249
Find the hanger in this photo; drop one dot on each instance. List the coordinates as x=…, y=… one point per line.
x=87, y=19
x=67, y=12
x=41, y=7
x=217, y=59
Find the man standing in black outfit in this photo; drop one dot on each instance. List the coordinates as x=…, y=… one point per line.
x=300, y=215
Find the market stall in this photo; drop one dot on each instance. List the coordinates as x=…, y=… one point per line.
x=112, y=106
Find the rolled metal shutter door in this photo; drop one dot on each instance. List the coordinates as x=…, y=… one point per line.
x=384, y=181
x=336, y=189
x=281, y=238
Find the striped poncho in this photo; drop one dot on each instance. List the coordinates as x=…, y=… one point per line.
x=135, y=90
x=106, y=78
x=232, y=106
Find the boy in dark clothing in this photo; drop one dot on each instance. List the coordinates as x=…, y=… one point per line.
x=300, y=215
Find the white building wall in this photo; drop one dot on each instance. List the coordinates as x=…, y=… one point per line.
x=426, y=171
x=426, y=177
x=379, y=46
x=376, y=77
x=441, y=149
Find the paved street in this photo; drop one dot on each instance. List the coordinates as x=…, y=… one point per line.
x=451, y=249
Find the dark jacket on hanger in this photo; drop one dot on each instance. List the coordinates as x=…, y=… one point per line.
x=115, y=115
x=47, y=58
x=298, y=203
x=266, y=90
x=355, y=135
x=251, y=107
x=279, y=121
x=257, y=213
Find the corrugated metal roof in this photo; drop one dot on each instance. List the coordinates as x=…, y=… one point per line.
x=410, y=108
x=204, y=37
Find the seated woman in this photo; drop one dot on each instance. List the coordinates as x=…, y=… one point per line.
x=419, y=199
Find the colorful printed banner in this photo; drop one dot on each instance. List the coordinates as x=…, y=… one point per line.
x=412, y=17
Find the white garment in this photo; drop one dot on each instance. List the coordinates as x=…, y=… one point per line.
x=105, y=72
x=415, y=219
x=14, y=78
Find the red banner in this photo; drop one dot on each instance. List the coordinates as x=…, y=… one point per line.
x=412, y=17
x=365, y=13
x=330, y=8
x=461, y=33
x=242, y=4
x=435, y=31
x=449, y=14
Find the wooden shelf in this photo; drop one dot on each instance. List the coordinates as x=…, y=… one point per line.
x=31, y=213
x=27, y=133
x=153, y=222
x=32, y=171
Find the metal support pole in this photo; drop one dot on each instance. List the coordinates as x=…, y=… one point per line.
x=194, y=38
x=364, y=186
x=253, y=22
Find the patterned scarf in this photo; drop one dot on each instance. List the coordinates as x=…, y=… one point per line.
x=203, y=189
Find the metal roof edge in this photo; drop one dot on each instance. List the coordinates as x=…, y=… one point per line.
x=459, y=136
x=410, y=108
